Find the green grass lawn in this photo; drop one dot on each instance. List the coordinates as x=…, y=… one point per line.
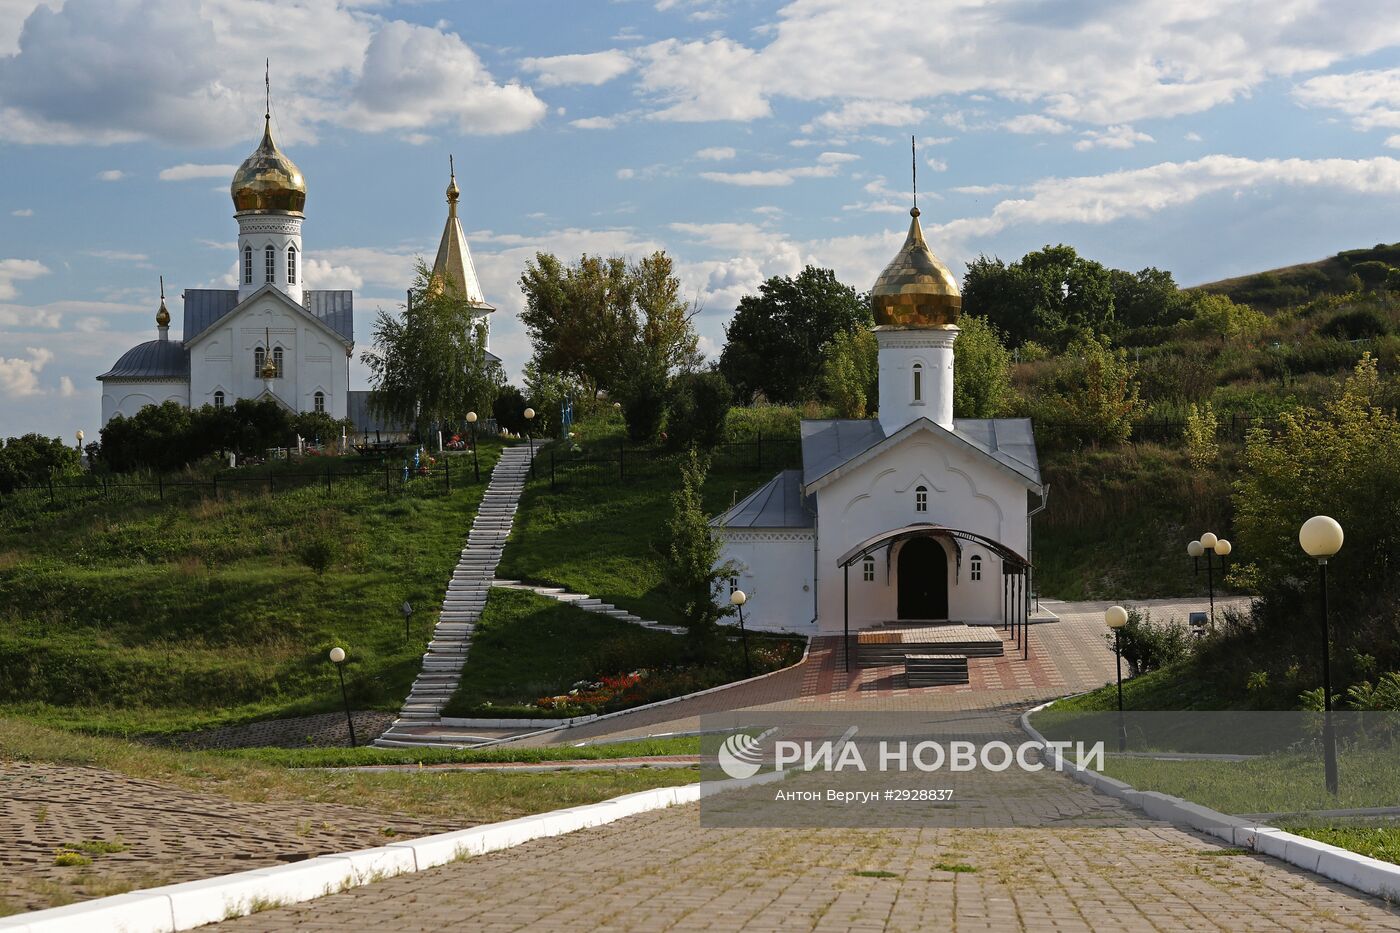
x=148, y=616
x=603, y=536
x=526, y=647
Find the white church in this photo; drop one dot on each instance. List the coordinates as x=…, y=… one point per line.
x=271, y=337
x=915, y=517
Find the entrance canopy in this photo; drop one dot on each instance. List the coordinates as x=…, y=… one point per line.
x=930, y=530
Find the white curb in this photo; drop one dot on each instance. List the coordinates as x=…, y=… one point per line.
x=195, y=903
x=1365, y=874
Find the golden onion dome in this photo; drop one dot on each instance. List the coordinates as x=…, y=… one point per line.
x=268, y=180
x=916, y=289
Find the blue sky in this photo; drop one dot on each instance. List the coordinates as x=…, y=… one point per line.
x=746, y=138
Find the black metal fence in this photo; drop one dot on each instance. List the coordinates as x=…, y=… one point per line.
x=390, y=478
x=602, y=466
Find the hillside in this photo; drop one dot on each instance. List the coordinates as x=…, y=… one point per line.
x=1298, y=284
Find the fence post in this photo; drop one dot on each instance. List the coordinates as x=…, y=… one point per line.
x=160, y=484
x=50, y=487
x=551, y=469
x=386, y=479
x=328, y=477
x=447, y=467
x=216, y=485
x=621, y=449
x=269, y=477
x=760, y=450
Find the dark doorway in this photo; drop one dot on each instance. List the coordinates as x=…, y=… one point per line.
x=923, y=580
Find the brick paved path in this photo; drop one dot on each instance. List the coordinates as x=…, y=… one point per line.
x=1076, y=861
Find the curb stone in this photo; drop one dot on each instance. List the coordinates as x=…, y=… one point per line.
x=1360, y=872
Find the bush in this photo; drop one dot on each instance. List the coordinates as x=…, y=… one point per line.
x=33, y=459
x=1092, y=396
x=850, y=372
x=509, y=410
x=319, y=553
x=1149, y=646
x=770, y=421
x=982, y=370
x=643, y=393
x=699, y=404
x=1356, y=324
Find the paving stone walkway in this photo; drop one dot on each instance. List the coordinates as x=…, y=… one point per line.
x=466, y=596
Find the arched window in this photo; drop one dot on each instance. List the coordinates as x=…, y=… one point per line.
x=270, y=260
x=974, y=568
x=259, y=358
x=918, y=382
x=219, y=399
x=733, y=585
x=320, y=401
x=867, y=569
x=277, y=360
x=920, y=498
x=291, y=265
x=247, y=265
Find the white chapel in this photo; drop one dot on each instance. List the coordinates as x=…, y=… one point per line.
x=271, y=337
x=914, y=516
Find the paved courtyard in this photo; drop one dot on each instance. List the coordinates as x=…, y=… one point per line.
x=1075, y=860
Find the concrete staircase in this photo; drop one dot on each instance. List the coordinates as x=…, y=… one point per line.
x=466, y=595
x=591, y=604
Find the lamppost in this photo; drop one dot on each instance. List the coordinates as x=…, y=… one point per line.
x=1207, y=546
x=529, y=439
x=338, y=659
x=1321, y=537
x=476, y=469
x=1115, y=618
x=79, y=436
x=738, y=598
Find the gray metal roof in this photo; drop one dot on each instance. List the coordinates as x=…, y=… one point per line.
x=333, y=307
x=778, y=503
x=365, y=419
x=154, y=359
x=827, y=445
x=830, y=444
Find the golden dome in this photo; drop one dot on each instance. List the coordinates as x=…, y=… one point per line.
x=268, y=180
x=915, y=290
x=163, y=315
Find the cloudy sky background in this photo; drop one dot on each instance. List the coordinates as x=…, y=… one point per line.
x=746, y=138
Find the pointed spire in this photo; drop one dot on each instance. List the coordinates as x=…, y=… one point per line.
x=453, y=192
x=163, y=315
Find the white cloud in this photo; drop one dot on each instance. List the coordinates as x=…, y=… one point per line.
x=859, y=113
x=189, y=170
x=982, y=189
x=1101, y=199
x=626, y=173
x=596, y=123
x=18, y=270
x=771, y=178
x=592, y=68
x=66, y=389
x=19, y=376
x=1393, y=142
x=1370, y=98
x=1099, y=63
x=1031, y=123
x=716, y=153
x=836, y=158
x=331, y=63
x=116, y=255
x=111, y=174
x=1192, y=137
x=23, y=212
x=937, y=165
x=1115, y=137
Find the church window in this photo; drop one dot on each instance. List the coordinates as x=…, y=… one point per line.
x=277, y=360
x=974, y=572
x=219, y=399
x=320, y=401
x=920, y=498
x=918, y=382
x=259, y=358
x=270, y=260
x=867, y=569
x=291, y=265
x=247, y=265
x=733, y=585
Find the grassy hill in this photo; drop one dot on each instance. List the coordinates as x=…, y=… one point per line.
x=1299, y=284
x=135, y=614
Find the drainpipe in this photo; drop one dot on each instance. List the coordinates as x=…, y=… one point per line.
x=1030, y=582
x=816, y=562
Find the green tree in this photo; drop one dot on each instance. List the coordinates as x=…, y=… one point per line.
x=698, y=406
x=429, y=363
x=851, y=373
x=1092, y=396
x=1201, y=428
x=1216, y=315
x=34, y=459
x=1050, y=295
x=593, y=320
x=1147, y=298
x=773, y=344
x=981, y=370
x=692, y=569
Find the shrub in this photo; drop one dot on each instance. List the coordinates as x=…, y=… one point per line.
x=1149, y=646
x=982, y=370
x=770, y=421
x=509, y=410
x=1092, y=397
x=1372, y=272
x=850, y=372
x=699, y=404
x=1356, y=324
x=1201, y=428
x=33, y=459
x=319, y=552
x=642, y=391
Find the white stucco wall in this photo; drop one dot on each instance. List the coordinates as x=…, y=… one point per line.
x=775, y=572
x=966, y=490
x=126, y=398
x=259, y=231
x=313, y=358
x=930, y=350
